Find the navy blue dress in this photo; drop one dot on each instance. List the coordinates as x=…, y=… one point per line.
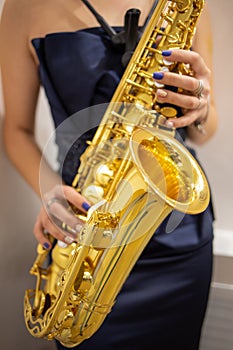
x=163, y=302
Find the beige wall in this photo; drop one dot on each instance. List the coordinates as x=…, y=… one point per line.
x=217, y=155
x=19, y=206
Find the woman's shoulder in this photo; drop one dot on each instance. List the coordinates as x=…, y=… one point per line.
x=23, y=12
x=24, y=7
x=32, y=18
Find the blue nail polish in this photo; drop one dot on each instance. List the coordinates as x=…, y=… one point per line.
x=46, y=245
x=166, y=53
x=85, y=206
x=158, y=75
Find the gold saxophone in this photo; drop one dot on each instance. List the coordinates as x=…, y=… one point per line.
x=136, y=172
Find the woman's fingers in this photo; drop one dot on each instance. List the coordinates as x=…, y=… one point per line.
x=191, y=93
x=188, y=84
x=44, y=225
x=57, y=217
x=193, y=59
x=66, y=218
x=58, y=203
x=67, y=195
x=76, y=199
x=183, y=101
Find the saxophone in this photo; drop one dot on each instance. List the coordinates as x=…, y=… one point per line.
x=135, y=172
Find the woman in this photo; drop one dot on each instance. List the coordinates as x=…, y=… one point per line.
x=166, y=288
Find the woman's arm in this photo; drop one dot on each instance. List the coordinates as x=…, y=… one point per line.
x=21, y=85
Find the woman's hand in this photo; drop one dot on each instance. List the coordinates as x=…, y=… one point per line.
x=56, y=216
x=195, y=97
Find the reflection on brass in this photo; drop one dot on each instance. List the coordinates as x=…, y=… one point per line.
x=135, y=173
x=168, y=112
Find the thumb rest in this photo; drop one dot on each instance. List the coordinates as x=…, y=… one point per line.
x=135, y=172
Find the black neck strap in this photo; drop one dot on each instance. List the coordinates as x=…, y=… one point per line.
x=131, y=33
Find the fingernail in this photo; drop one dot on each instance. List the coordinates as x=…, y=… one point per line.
x=158, y=85
x=69, y=240
x=85, y=206
x=161, y=93
x=168, y=63
x=46, y=246
x=166, y=53
x=169, y=124
x=158, y=75
x=61, y=244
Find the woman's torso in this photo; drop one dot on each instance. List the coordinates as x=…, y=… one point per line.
x=59, y=34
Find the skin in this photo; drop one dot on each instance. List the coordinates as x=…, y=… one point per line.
x=19, y=67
